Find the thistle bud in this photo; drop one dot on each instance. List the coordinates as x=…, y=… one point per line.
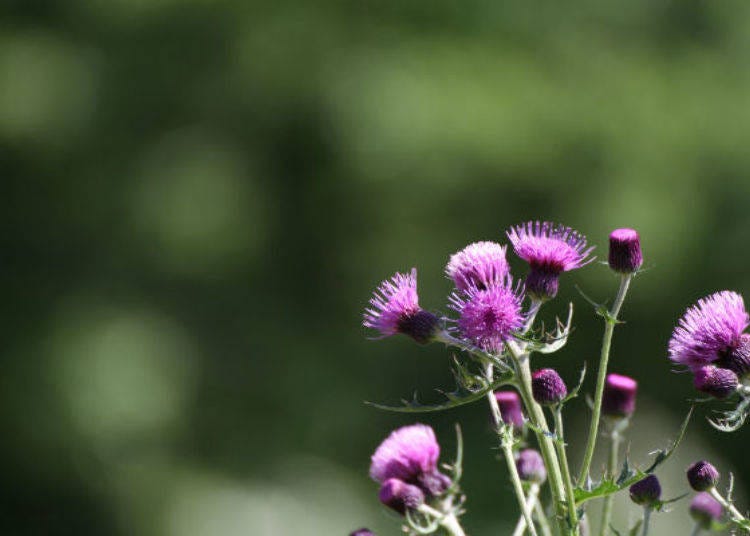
x=548, y=387
x=714, y=381
x=400, y=496
x=530, y=466
x=434, y=483
x=702, y=476
x=619, y=396
x=737, y=358
x=510, y=408
x=625, y=254
x=705, y=510
x=362, y=532
x=646, y=492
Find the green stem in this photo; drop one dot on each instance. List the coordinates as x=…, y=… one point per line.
x=506, y=443
x=696, y=530
x=447, y=521
x=531, y=500
x=646, y=520
x=609, y=328
x=734, y=514
x=611, y=468
x=539, y=422
x=541, y=518
x=560, y=445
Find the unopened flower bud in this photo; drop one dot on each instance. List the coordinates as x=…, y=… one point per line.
x=714, y=381
x=400, y=496
x=646, y=492
x=705, y=510
x=362, y=532
x=530, y=466
x=548, y=387
x=702, y=476
x=625, y=254
x=619, y=396
x=510, y=408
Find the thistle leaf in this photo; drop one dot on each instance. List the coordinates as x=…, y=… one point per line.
x=550, y=342
x=731, y=421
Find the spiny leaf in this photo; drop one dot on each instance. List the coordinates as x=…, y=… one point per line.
x=550, y=342
x=600, y=308
x=731, y=421
x=574, y=392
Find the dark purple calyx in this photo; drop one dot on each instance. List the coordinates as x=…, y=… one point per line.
x=737, y=358
x=646, y=492
x=420, y=326
x=619, y=396
x=714, y=381
x=433, y=483
x=362, y=532
x=702, y=476
x=543, y=281
x=548, y=387
x=625, y=255
x=400, y=496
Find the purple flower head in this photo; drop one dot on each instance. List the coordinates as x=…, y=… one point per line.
x=646, y=492
x=362, y=532
x=480, y=265
x=510, y=408
x=407, y=453
x=530, y=466
x=705, y=510
x=709, y=330
x=738, y=359
x=489, y=317
x=394, y=308
x=400, y=496
x=548, y=387
x=550, y=250
x=714, y=381
x=619, y=396
x=625, y=254
x=702, y=476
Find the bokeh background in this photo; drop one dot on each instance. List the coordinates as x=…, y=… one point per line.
x=198, y=197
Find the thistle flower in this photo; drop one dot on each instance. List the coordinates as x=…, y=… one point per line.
x=510, y=408
x=702, y=476
x=362, y=532
x=646, y=492
x=705, y=510
x=715, y=381
x=550, y=250
x=619, y=396
x=480, y=265
x=548, y=387
x=394, y=308
x=488, y=317
x=738, y=359
x=530, y=466
x=710, y=330
x=625, y=254
x=410, y=454
x=400, y=496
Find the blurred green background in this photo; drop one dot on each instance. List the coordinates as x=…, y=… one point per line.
x=199, y=196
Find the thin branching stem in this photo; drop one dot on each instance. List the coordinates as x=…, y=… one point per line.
x=568, y=482
x=734, y=515
x=614, y=445
x=646, y=520
x=531, y=500
x=448, y=521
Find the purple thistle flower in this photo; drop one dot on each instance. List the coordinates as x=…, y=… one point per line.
x=550, y=250
x=714, y=381
x=410, y=454
x=510, y=408
x=480, y=265
x=489, y=317
x=394, y=308
x=702, y=476
x=548, y=387
x=709, y=330
x=619, y=396
x=705, y=510
x=625, y=254
x=400, y=496
x=530, y=466
x=362, y=532
x=738, y=359
x=646, y=492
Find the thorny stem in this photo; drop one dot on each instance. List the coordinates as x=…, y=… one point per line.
x=531, y=501
x=734, y=514
x=609, y=328
x=560, y=445
x=614, y=446
x=447, y=521
x=507, y=446
x=539, y=422
x=646, y=520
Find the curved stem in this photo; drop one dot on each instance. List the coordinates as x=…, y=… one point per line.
x=560, y=445
x=646, y=520
x=734, y=514
x=541, y=518
x=531, y=501
x=609, y=328
x=447, y=521
x=611, y=468
x=506, y=443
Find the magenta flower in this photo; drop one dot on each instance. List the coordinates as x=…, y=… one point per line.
x=400, y=496
x=705, y=510
x=709, y=330
x=625, y=255
x=488, y=317
x=394, y=308
x=510, y=408
x=410, y=454
x=550, y=250
x=548, y=387
x=530, y=466
x=715, y=381
x=481, y=265
x=619, y=396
